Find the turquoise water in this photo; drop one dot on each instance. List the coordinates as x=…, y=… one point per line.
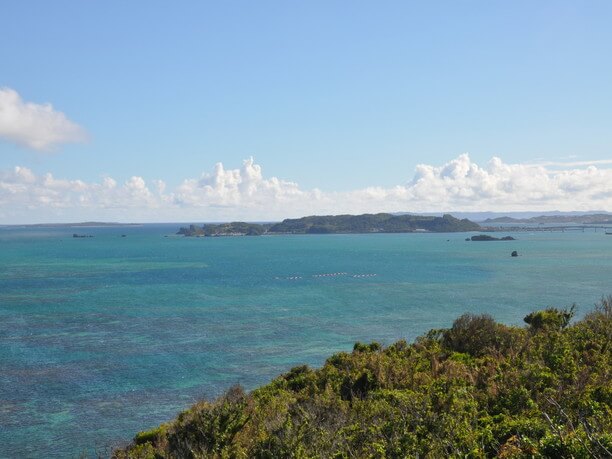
x=102, y=337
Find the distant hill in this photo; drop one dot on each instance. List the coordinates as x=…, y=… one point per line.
x=74, y=225
x=331, y=224
x=373, y=223
x=584, y=219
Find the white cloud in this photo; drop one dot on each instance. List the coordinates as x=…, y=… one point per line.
x=575, y=163
x=236, y=188
x=246, y=194
x=36, y=126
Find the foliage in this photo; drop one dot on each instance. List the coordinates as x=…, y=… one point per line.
x=478, y=389
x=551, y=318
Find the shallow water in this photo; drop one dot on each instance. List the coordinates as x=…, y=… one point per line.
x=102, y=337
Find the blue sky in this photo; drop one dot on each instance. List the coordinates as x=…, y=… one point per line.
x=338, y=96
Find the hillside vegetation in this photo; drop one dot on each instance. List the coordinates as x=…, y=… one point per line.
x=478, y=389
x=367, y=223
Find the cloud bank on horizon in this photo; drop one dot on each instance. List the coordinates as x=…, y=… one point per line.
x=246, y=194
x=36, y=126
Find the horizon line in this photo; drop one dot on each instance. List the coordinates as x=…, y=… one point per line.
x=501, y=213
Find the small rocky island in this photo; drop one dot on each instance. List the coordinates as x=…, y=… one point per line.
x=338, y=224
x=224, y=229
x=486, y=237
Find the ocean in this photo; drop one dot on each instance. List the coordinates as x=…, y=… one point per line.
x=103, y=337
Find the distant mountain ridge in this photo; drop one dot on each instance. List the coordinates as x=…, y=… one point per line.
x=72, y=225
x=481, y=216
x=332, y=224
x=584, y=219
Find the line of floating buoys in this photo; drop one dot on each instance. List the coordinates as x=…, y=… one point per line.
x=329, y=274
x=357, y=276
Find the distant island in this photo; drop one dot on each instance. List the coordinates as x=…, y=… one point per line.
x=587, y=219
x=338, y=224
x=225, y=229
x=486, y=237
x=73, y=225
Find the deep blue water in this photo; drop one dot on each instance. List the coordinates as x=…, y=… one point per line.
x=102, y=337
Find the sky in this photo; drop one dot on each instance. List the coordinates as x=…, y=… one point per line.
x=207, y=111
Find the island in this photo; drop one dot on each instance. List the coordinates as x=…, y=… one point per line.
x=74, y=225
x=338, y=224
x=225, y=229
x=477, y=389
x=486, y=237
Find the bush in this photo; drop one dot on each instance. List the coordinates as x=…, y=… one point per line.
x=550, y=319
x=471, y=334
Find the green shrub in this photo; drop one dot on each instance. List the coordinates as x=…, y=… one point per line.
x=550, y=319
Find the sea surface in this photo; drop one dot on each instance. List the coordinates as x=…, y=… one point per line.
x=103, y=337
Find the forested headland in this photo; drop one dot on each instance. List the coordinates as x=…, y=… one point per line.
x=331, y=224
x=477, y=389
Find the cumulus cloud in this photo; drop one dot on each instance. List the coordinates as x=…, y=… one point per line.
x=237, y=187
x=245, y=193
x=463, y=184
x=22, y=189
x=36, y=126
